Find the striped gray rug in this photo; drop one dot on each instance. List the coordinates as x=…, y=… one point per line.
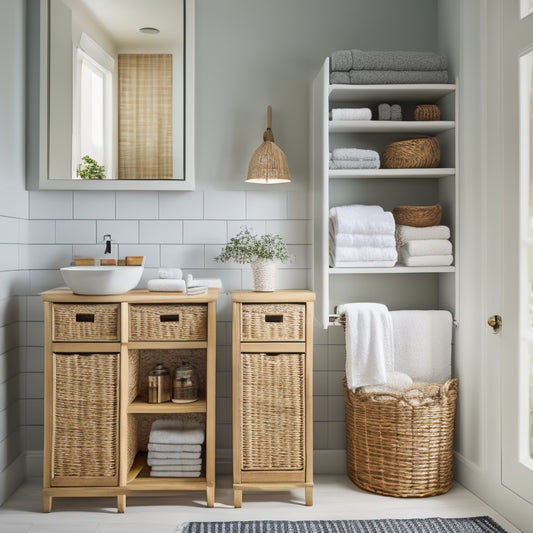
x=477, y=524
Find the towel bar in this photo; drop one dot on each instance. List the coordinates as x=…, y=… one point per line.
x=340, y=320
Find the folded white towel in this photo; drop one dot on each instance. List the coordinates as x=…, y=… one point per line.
x=172, y=473
x=166, y=285
x=169, y=431
x=365, y=253
x=170, y=273
x=362, y=219
x=425, y=260
x=176, y=458
x=363, y=264
x=349, y=113
x=354, y=154
x=412, y=233
x=361, y=239
x=428, y=247
x=369, y=343
x=423, y=344
x=182, y=468
x=166, y=449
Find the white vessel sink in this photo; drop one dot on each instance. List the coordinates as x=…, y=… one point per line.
x=102, y=279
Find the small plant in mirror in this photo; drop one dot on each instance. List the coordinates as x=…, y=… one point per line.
x=90, y=169
x=246, y=247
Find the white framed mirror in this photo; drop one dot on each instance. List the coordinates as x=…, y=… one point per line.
x=116, y=99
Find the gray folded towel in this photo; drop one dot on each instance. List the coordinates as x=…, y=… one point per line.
x=395, y=112
x=346, y=60
x=354, y=164
x=372, y=77
x=339, y=77
x=384, y=112
x=341, y=60
x=395, y=60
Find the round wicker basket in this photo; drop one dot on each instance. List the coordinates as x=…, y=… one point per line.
x=419, y=216
x=423, y=152
x=427, y=112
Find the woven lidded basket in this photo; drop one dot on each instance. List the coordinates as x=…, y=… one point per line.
x=401, y=443
x=427, y=112
x=419, y=216
x=423, y=152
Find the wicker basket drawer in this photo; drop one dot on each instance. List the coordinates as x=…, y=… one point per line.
x=86, y=322
x=168, y=322
x=85, y=419
x=272, y=322
x=273, y=414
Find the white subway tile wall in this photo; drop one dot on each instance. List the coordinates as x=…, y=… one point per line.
x=185, y=230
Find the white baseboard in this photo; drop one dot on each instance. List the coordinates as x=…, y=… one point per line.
x=325, y=462
x=12, y=477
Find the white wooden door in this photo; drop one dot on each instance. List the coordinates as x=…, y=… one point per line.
x=517, y=250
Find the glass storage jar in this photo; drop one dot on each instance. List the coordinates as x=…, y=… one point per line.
x=185, y=384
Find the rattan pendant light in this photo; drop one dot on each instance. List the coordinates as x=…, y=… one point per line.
x=268, y=163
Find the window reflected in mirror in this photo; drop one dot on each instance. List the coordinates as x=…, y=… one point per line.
x=116, y=93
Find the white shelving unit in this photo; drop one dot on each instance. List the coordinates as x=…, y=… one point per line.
x=426, y=287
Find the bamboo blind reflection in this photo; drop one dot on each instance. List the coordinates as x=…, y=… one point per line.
x=145, y=116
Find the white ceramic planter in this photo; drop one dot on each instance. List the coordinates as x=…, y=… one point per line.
x=264, y=274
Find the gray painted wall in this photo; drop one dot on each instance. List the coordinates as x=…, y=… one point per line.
x=249, y=54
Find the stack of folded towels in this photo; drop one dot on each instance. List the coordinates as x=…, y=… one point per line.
x=426, y=246
x=377, y=67
x=353, y=158
x=351, y=113
x=168, y=280
x=361, y=236
x=175, y=448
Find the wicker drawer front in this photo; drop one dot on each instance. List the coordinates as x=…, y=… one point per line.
x=273, y=414
x=272, y=322
x=86, y=322
x=85, y=420
x=152, y=322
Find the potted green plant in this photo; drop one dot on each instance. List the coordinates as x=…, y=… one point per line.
x=90, y=169
x=260, y=251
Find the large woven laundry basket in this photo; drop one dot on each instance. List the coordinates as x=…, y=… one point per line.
x=401, y=444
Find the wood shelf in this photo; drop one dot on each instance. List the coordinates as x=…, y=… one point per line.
x=139, y=478
x=139, y=406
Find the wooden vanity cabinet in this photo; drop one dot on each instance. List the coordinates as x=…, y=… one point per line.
x=272, y=391
x=98, y=352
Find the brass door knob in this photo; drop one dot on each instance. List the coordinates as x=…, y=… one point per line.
x=495, y=322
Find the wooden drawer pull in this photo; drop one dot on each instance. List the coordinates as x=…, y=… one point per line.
x=169, y=318
x=273, y=318
x=84, y=317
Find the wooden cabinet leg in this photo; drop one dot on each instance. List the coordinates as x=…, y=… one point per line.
x=210, y=496
x=47, y=504
x=121, y=503
x=237, y=498
x=308, y=495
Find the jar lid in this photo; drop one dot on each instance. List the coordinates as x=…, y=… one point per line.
x=159, y=370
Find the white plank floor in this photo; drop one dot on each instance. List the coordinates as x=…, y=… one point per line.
x=335, y=498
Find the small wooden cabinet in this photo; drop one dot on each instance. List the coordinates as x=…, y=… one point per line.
x=98, y=352
x=272, y=391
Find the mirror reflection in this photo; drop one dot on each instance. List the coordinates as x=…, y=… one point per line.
x=116, y=89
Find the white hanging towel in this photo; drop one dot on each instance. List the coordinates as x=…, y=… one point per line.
x=423, y=344
x=369, y=343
